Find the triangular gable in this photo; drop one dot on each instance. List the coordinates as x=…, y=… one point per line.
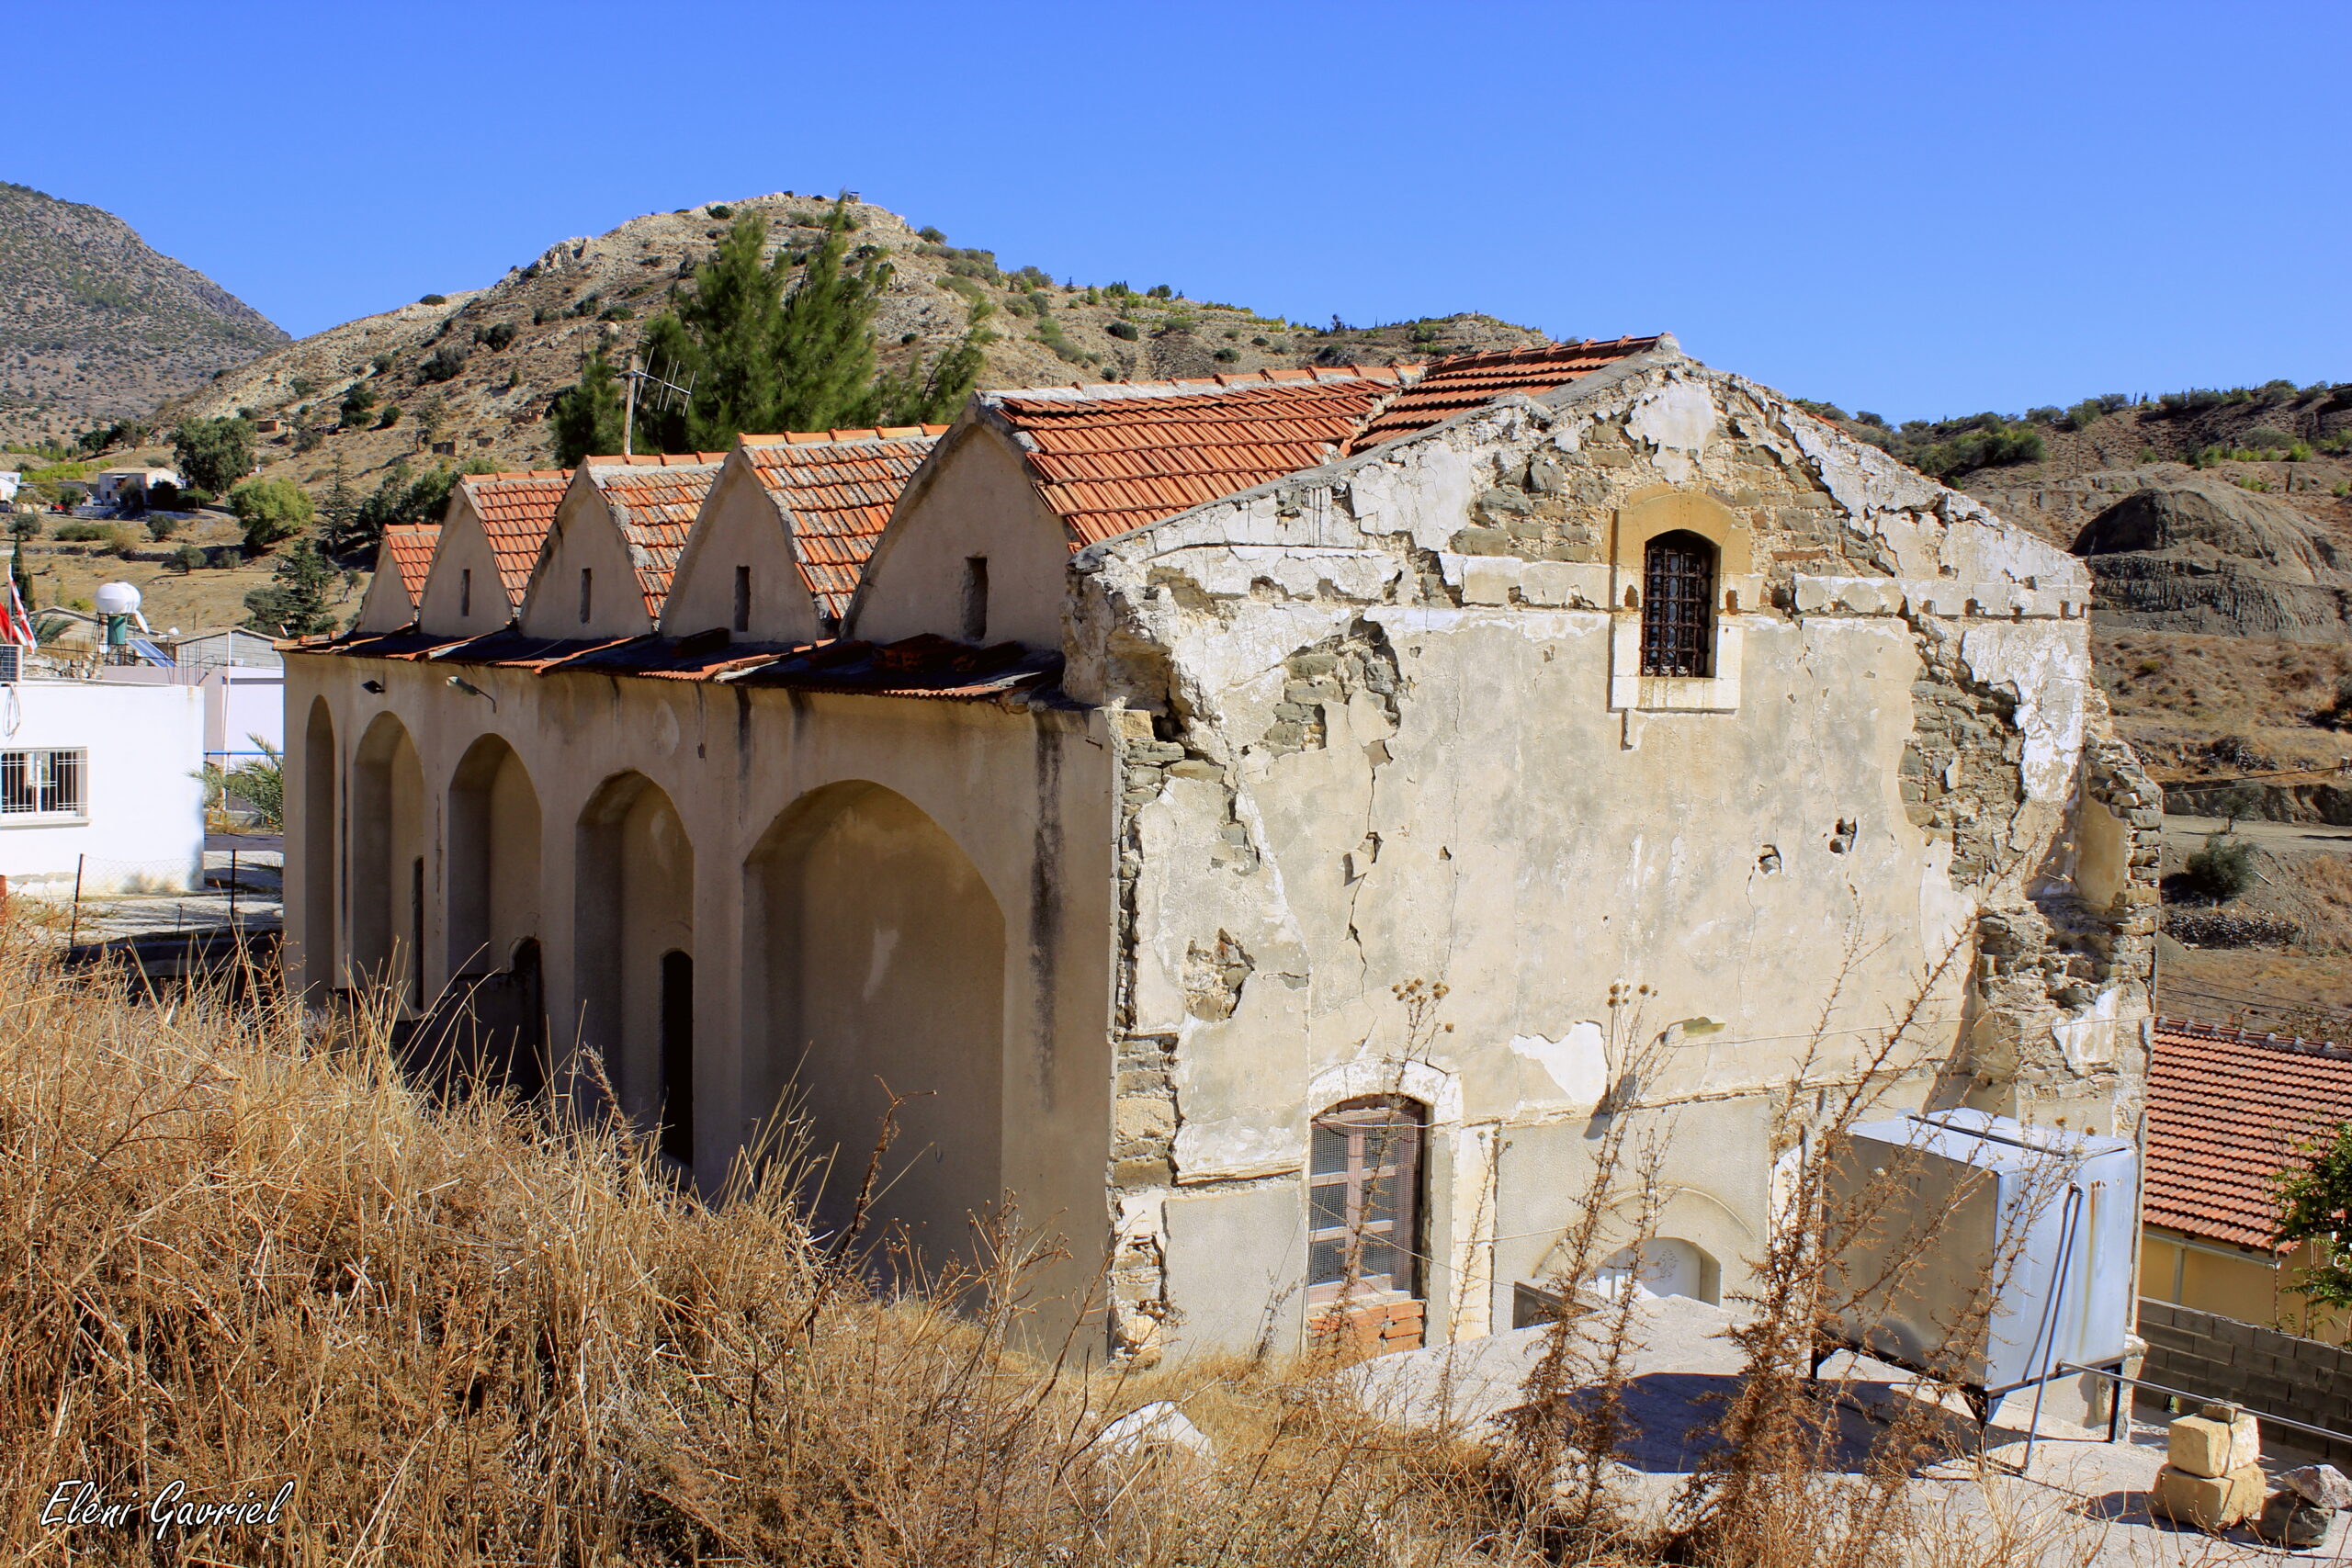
x=623, y=522
x=403, y=557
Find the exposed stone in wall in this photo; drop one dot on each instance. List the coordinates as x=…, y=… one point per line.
x=1961, y=778
x=1332, y=670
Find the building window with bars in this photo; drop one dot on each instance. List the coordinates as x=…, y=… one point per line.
x=43, y=784
x=1678, y=605
x=1363, y=1201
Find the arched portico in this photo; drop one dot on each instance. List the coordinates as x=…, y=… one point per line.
x=316, y=846
x=494, y=871
x=387, y=849
x=874, y=965
x=633, y=919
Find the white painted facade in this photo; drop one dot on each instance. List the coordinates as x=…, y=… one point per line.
x=139, y=822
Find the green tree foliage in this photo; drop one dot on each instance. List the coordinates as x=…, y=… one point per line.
x=271, y=510
x=400, y=496
x=2222, y=870
x=213, y=453
x=585, y=419
x=339, y=512
x=357, y=403
x=767, y=355
x=186, y=558
x=294, y=603
x=2315, y=1206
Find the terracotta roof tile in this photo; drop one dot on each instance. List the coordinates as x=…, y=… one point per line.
x=408, y=548
x=839, y=486
x=1114, y=457
x=516, y=511
x=2225, y=1111
x=1471, y=380
x=654, y=498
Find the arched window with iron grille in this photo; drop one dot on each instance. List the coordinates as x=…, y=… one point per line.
x=1678, y=605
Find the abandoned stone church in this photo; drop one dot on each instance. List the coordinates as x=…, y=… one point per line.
x=1267, y=822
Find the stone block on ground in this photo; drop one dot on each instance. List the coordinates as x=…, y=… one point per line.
x=2289, y=1521
x=2207, y=1502
x=2322, y=1485
x=2213, y=1444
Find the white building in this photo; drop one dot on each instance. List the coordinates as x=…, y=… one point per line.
x=100, y=776
x=109, y=485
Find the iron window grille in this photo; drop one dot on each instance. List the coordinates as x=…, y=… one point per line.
x=1677, y=607
x=42, y=784
x=1363, y=1199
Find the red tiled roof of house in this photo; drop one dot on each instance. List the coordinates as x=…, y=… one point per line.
x=839, y=486
x=516, y=511
x=408, y=549
x=2226, y=1110
x=1471, y=380
x=654, y=498
x=1111, y=458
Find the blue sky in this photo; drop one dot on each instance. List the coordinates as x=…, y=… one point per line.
x=1920, y=209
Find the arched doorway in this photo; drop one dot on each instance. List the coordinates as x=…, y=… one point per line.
x=874, y=956
x=634, y=920
x=388, y=864
x=319, y=832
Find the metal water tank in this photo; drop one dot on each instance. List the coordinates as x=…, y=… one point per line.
x=2043, y=1217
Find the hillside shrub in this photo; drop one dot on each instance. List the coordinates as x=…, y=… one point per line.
x=1124, y=330
x=931, y=235
x=390, y=417
x=495, y=336
x=271, y=511
x=1162, y=291
x=1226, y=356
x=79, y=533
x=720, y=210
x=186, y=558
x=161, y=526
x=443, y=364
x=213, y=453
x=2220, y=871
x=357, y=403
x=433, y=299
x=2269, y=437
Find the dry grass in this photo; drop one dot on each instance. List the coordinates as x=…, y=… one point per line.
x=249, y=1257
x=2175, y=692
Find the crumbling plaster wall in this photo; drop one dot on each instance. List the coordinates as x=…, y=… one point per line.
x=1370, y=739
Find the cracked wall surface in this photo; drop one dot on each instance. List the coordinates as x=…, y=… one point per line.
x=1367, y=736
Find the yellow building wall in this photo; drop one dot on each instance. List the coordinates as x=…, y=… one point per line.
x=2247, y=1286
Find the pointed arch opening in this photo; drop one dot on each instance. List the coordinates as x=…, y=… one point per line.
x=874, y=965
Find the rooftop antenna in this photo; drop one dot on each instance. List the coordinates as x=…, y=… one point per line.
x=662, y=391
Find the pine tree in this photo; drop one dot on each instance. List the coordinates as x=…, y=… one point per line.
x=824, y=341
x=339, y=512
x=585, y=419
x=295, y=602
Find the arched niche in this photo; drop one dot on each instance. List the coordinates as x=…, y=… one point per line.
x=493, y=868
x=635, y=909
x=873, y=963
x=387, y=849
x=317, y=849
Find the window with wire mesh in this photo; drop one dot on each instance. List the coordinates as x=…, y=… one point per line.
x=1678, y=605
x=42, y=783
x=1363, y=1199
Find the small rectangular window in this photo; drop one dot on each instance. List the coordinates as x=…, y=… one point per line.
x=1363, y=1186
x=465, y=591
x=43, y=784
x=976, y=598
x=742, y=598
x=587, y=591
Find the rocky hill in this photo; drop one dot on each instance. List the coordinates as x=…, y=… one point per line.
x=95, y=326
x=469, y=374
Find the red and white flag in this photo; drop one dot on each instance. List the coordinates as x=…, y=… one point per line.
x=15, y=626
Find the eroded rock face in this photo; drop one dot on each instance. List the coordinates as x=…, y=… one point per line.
x=1402, y=815
x=2202, y=555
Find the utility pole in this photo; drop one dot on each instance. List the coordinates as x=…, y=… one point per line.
x=665, y=390
x=629, y=415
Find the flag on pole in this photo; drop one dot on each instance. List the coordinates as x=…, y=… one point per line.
x=15, y=625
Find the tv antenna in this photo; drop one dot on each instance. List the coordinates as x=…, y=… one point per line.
x=658, y=394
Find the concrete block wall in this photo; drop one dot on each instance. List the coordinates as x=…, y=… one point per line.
x=2268, y=1372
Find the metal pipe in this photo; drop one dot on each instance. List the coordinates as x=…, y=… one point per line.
x=2206, y=1399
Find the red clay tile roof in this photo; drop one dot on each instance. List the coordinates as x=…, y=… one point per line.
x=2225, y=1111
x=1114, y=457
x=838, y=487
x=408, y=548
x=654, y=498
x=1471, y=380
x=516, y=511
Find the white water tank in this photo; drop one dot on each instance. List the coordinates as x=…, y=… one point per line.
x=2043, y=1217
x=117, y=599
